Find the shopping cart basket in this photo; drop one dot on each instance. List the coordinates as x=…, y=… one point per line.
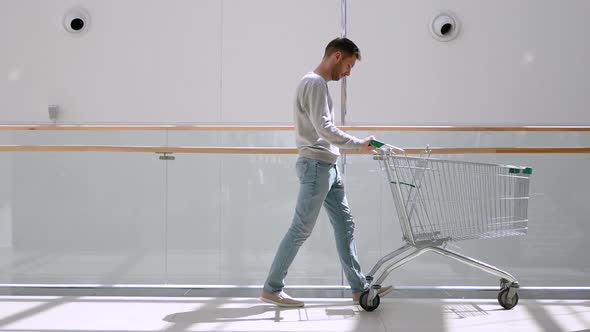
x=439, y=201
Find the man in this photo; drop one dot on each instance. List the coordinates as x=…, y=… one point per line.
x=318, y=141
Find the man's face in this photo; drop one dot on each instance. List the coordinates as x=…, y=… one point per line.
x=342, y=65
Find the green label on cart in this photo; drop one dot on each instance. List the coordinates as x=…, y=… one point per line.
x=514, y=171
x=528, y=170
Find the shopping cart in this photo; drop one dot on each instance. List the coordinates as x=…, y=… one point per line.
x=439, y=201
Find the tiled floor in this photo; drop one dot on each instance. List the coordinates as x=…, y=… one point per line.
x=122, y=314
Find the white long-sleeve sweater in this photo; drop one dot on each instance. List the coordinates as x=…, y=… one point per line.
x=316, y=135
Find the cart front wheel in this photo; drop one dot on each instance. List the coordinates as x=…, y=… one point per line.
x=363, y=301
x=505, y=301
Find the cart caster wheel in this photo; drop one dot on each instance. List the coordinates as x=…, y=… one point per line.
x=505, y=302
x=365, y=298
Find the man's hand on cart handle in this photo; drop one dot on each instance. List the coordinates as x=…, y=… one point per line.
x=367, y=144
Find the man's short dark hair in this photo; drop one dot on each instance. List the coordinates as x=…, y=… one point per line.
x=343, y=45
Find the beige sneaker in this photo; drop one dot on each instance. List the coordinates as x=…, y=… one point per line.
x=280, y=299
x=382, y=292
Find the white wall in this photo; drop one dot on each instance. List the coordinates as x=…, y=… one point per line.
x=267, y=46
x=233, y=61
x=160, y=61
x=514, y=62
x=144, y=61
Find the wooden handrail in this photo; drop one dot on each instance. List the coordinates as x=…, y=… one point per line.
x=272, y=150
x=282, y=128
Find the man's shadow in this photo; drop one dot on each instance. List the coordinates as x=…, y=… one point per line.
x=216, y=312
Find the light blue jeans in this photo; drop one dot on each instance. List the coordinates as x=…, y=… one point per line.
x=320, y=184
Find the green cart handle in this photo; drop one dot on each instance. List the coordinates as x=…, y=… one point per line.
x=376, y=143
x=379, y=144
